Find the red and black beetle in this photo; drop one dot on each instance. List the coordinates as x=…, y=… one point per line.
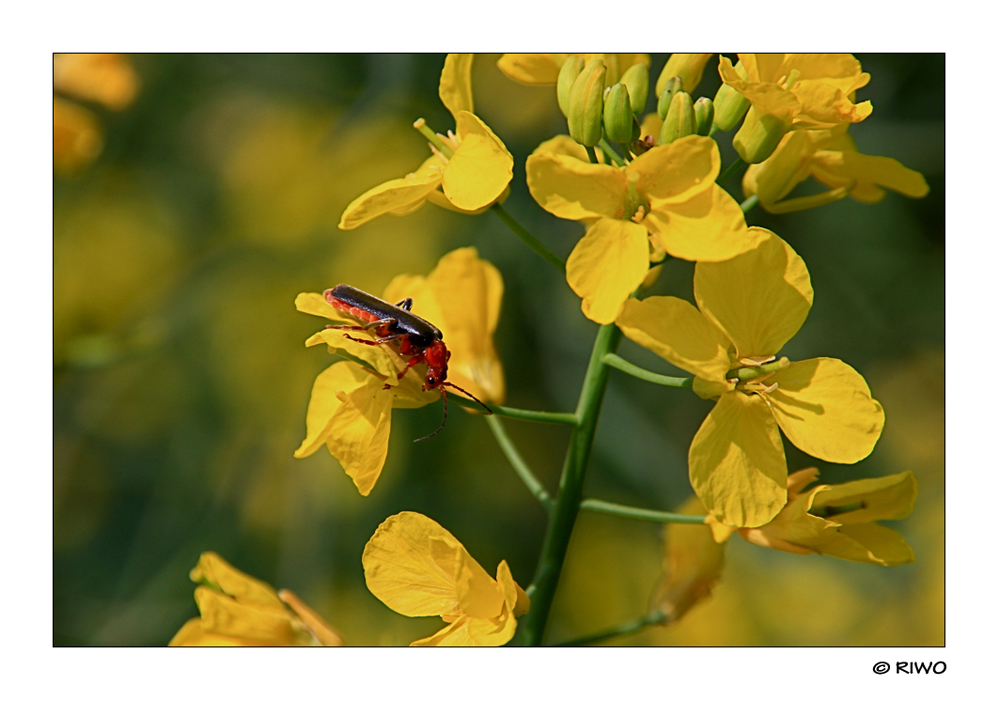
x=415, y=337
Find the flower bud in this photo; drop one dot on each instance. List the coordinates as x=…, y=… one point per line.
x=758, y=136
x=619, y=121
x=730, y=106
x=586, y=104
x=687, y=67
x=637, y=80
x=679, y=120
x=672, y=86
x=704, y=114
x=567, y=76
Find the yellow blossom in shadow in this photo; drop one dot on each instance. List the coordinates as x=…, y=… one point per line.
x=691, y=567
x=689, y=68
x=665, y=201
x=350, y=410
x=793, y=91
x=238, y=610
x=417, y=568
x=747, y=309
x=467, y=173
x=838, y=520
x=831, y=157
x=107, y=79
x=543, y=69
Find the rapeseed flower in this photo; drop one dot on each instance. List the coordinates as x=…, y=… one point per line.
x=793, y=91
x=831, y=157
x=351, y=405
x=468, y=171
x=665, y=201
x=747, y=309
x=838, y=520
x=543, y=69
x=417, y=568
x=239, y=610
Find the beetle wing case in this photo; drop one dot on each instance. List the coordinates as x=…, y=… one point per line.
x=421, y=332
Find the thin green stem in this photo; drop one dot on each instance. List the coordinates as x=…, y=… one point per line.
x=526, y=237
x=650, y=619
x=606, y=507
x=591, y=154
x=543, y=417
x=532, y=483
x=570, y=492
x=619, y=363
x=611, y=153
x=737, y=165
x=749, y=203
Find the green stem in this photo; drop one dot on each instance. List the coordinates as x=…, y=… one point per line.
x=421, y=126
x=730, y=171
x=649, y=619
x=543, y=417
x=606, y=507
x=526, y=237
x=616, y=361
x=611, y=153
x=570, y=491
x=749, y=203
x=532, y=483
x=591, y=154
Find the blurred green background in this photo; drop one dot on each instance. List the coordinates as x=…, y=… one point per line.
x=182, y=380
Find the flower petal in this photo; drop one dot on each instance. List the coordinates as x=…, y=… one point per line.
x=466, y=631
x=869, y=542
x=571, y=188
x=249, y=590
x=224, y=615
x=456, y=84
x=869, y=173
x=673, y=329
x=532, y=69
x=737, y=464
x=707, y=227
x=825, y=408
x=606, y=266
x=409, y=564
x=759, y=299
x=324, y=402
x=401, y=194
x=479, y=596
x=478, y=172
x=677, y=171
x=358, y=433
x=515, y=597
x=891, y=497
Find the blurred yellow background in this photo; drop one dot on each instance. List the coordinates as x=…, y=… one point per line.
x=193, y=207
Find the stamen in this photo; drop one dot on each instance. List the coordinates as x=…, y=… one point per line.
x=755, y=361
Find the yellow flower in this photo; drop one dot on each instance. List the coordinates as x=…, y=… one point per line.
x=467, y=174
x=691, y=567
x=838, y=520
x=689, y=68
x=793, y=91
x=238, y=610
x=831, y=157
x=749, y=307
x=663, y=201
x=350, y=411
x=416, y=568
x=543, y=69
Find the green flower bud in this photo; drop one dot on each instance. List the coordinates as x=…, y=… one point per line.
x=679, y=120
x=758, y=136
x=566, y=77
x=672, y=86
x=618, y=117
x=730, y=106
x=586, y=104
x=704, y=114
x=637, y=80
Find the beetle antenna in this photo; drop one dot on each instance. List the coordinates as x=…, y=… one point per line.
x=463, y=391
x=444, y=397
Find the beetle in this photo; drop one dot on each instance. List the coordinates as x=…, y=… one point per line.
x=412, y=335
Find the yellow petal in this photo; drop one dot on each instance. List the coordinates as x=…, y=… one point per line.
x=382, y=358
x=688, y=67
x=401, y=194
x=606, y=266
x=677, y=171
x=224, y=615
x=409, y=564
x=216, y=571
x=776, y=177
x=870, y=542
x=468, y=292
x=479, y=596
x=466, y=631
x=358, y=433
x=824, y=106
x=891, y=497
x=707, y=227
x=737, y=465
x=532, y=69
x=673, y=329
x=313, y=622
x=571, y=188
x=870, y=173
x=759, y=299
x=456, y=84
x=515, y=597
x=478, y=172
x=338, y=378
x=825, y=408
x=314, y=303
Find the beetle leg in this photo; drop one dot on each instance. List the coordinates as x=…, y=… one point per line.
x=379, y=341
x=406, y=304
x=412, y=361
